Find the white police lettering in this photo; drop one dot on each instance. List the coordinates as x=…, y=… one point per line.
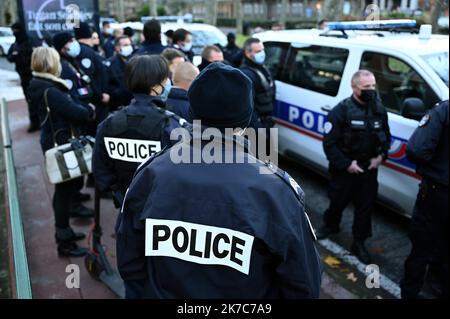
x=86, y=63
x=135, y=151
x=198, y=243
x=328, y=127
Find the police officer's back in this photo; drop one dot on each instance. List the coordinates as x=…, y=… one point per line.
x=182, y=78
x=133, y=134
x=152, y=35
x=428, y=148
x=356, y=142
x=216, y=230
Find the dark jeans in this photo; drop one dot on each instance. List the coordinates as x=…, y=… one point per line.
x=63, y=199
x=428, y=232
x=360, y=189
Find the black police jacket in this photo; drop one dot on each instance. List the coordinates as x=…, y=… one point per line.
x=120, y=96
x=428, y=146
x=92, y=65
x=20, y=53
x=80, y=90
x=178, y=103
x=65, y=113
x=356, y=132
x=127, y=138
x=263, y=84
x=150, y=48
x=216, y=230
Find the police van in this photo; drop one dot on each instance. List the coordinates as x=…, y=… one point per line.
x=313, y=71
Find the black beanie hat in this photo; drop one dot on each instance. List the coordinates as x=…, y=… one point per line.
x=221, y=97
x=60, y=39
x=83, y=32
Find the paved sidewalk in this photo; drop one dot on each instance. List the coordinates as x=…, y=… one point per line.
x=47, y=270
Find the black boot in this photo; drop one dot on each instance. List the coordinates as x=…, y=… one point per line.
x=81, y=211
x=81, y=197
x=325, y=231
x=359, y=250
x=65, y=238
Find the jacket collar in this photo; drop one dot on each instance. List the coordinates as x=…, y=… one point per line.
x=51, y=77
x=178, y=93
x=144, y=100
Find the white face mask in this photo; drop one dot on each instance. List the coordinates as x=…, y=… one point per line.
x=186, y=46
x=74, y=49
x=126, y=51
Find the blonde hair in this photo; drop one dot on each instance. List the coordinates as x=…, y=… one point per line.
x=46, y=60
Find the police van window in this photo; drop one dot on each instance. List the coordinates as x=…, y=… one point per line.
x=396, y=81
x=317, y=68
x=275, y=58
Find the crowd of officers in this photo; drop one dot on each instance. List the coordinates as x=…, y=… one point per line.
x=242, y=234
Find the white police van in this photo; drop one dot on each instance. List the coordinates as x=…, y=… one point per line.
x=313, y=71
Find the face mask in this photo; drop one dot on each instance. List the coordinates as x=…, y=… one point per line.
x=186, y=46
x=74, y=49
x=260, y=57
x=165, y=93
x=126, y=51
x=368, y=95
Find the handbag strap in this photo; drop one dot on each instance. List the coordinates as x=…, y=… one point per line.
x=50, y=119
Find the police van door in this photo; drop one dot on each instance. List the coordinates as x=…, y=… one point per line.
x=309, y=81
x=397, y=80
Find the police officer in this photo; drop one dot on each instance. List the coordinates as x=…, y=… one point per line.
x=133, y=134
x=263, y=83
x=94, y=70
x=81, y=92
x=356, y=142
x=120, y=96
x=232, y=52
x=152, y=35
x=216, y=230
x=20, y=54
x=428, y=231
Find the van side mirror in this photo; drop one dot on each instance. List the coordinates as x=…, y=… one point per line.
x=413, y=108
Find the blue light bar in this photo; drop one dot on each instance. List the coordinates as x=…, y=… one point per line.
x=367, y=25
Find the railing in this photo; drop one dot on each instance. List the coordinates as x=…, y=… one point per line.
x=22, y=286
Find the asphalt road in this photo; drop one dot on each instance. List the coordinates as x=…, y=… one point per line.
x=389, y=245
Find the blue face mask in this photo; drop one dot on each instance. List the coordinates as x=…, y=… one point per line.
x=260, y=57
x=165, y=93
x=74, y=49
